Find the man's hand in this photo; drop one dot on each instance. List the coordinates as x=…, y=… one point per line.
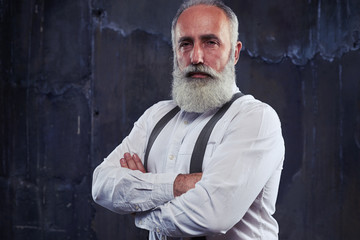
x=185, y=182
x=132, y=162
x=182, y=183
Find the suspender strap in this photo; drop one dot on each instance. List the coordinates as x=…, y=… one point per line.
x=200, y=145
x=197, y=156
x=157, y=129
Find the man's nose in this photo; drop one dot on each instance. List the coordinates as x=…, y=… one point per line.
x=197, y=54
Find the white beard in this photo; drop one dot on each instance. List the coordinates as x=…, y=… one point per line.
x=201, y=95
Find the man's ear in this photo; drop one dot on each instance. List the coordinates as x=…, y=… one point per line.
x=238, y=47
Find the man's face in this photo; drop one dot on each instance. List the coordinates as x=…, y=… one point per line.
x=202, y=36
x=204, y=71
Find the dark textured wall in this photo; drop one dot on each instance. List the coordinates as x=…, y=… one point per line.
x=75, y=75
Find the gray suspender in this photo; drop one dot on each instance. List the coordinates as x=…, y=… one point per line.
x=200, y=145
x=157, y=129
x=197, y=156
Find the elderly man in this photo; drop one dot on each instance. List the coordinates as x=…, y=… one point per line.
x=231, y=194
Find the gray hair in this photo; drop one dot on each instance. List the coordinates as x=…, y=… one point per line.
x=234, y=24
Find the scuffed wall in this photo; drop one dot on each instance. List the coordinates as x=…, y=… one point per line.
x=45, y=171
x=75, y=75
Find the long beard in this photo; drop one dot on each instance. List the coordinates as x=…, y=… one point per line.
x=201, y=95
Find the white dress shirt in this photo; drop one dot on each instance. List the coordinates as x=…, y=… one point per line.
x=235, y=198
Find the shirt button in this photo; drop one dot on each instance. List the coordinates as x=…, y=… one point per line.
x=171, y=157
x=137, y=207
x=186, y=122
x=157, y=230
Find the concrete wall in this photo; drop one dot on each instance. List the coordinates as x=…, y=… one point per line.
x=75, y=75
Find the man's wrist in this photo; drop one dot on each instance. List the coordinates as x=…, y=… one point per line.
x=185, y=182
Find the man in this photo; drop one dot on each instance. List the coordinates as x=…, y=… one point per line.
x=234, y=195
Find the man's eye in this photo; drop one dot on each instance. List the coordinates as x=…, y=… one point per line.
x=210, y=42
x=184, y=44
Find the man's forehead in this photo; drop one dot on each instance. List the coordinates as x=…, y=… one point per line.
x=202, y=17
x=201, y=8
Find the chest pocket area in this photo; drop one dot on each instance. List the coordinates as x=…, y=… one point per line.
x=187, y=146
x=186, y=151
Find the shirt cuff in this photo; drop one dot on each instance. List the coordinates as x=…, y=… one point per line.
x=161, y=185
x=165, y=181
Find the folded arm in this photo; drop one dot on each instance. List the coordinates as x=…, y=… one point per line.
x=127, y=188
x=238, y=170
x=182, y=182
x=124, y=190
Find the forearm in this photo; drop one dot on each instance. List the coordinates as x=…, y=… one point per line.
x=123, y=185
x=191, y=214
x=212, y=207
x=126, y=191
x=182, y=183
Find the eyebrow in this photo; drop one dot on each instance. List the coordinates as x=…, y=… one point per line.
x=184, y=39
x=203, y=37
x=209, y=36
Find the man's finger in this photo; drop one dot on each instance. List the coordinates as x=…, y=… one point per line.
x=123, y=163
x=130, y=161
x=138, y=163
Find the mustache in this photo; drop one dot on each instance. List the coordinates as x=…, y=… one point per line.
x=200, y=68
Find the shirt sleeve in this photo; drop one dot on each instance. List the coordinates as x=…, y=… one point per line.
x=126, y=191
x=251, y=150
